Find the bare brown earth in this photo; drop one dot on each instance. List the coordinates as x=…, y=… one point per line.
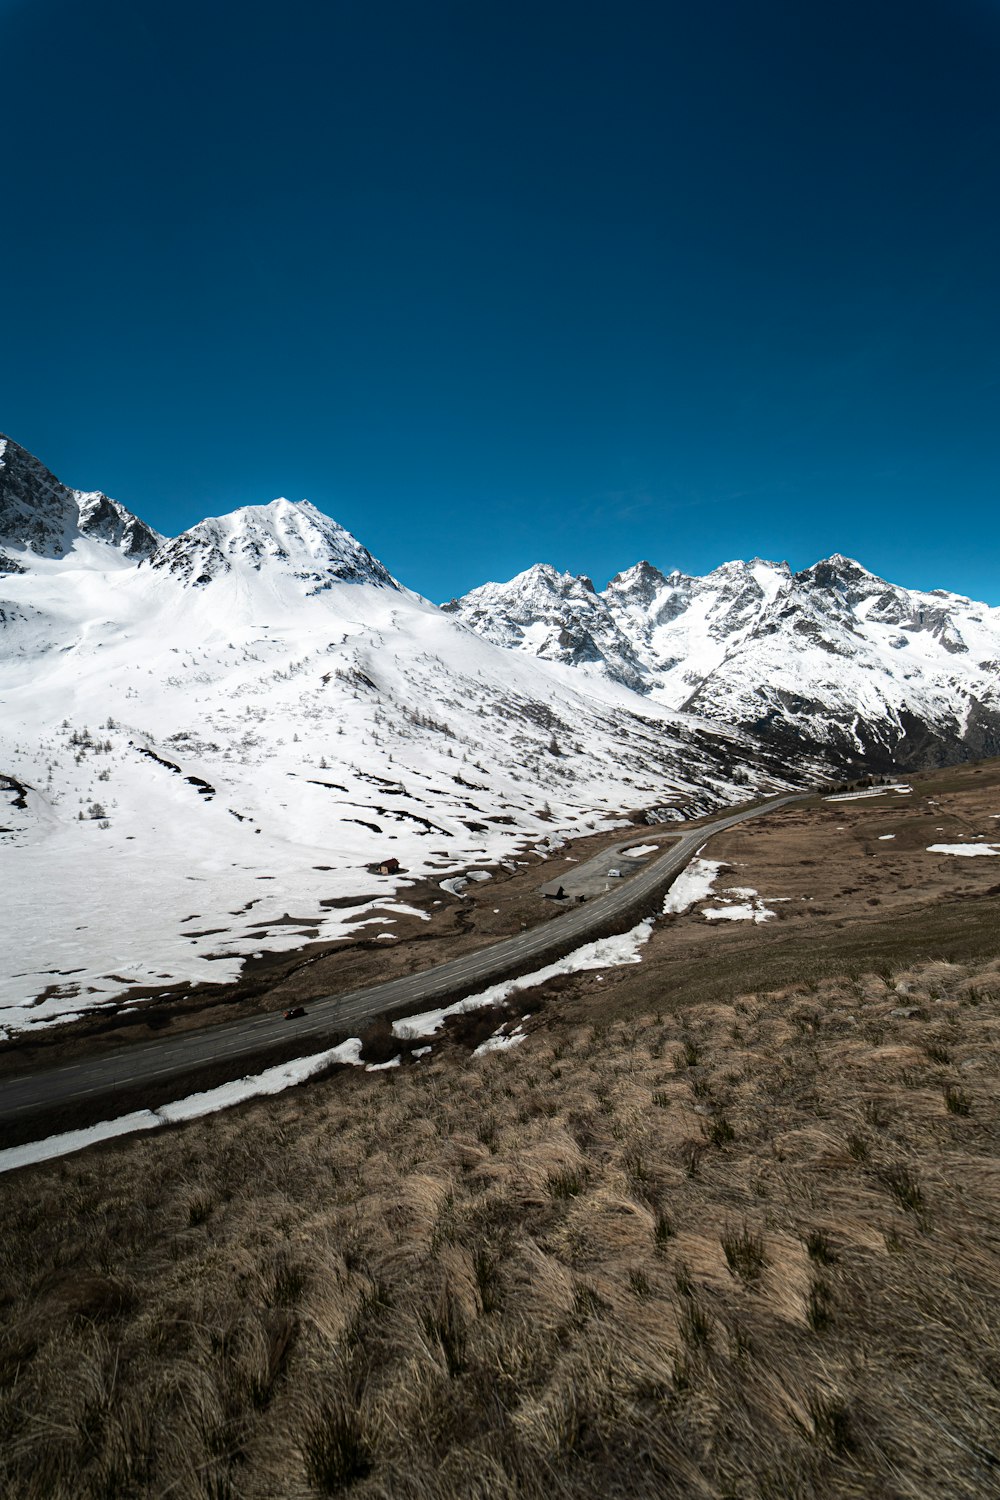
x=853, y=901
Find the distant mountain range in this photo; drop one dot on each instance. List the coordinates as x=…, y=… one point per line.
x=832, y=661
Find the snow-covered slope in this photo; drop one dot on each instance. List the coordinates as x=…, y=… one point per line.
x=832, y=660
x=204, y=747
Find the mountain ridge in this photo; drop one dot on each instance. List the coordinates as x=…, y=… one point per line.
x=748, y=644
x=206, y=751
x=41, y=516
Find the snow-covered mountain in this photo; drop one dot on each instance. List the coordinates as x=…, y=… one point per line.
x=832, y=660
x=44, y=518
x=312, y=549
x=207, y=742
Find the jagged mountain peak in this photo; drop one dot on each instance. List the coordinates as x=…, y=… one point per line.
x=766, y=574
x=839, y=572
x=537, y=589
x=292, y=536
x=557, y=616
x=641, y=581
x=547, y=576
x=42, y=517
x=832, y=658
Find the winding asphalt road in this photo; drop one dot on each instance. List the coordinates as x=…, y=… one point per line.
x=154, y=1062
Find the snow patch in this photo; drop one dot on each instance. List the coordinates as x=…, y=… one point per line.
x=501, y=1041
x=604, y=953
x=271, y=1081
x=965, y=849
x=872, y=791
x=749, y=908
x=693, y=884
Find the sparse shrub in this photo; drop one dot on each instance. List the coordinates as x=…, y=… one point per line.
x=691, y=1052
x=289, y=1284
x=696, y=1325
x=744, y=1253
x=199, y=1210
x=587, y=1302
x=663, y=1229
x=857, y=1146
x=719, y=1131
x=819, y=1314
x=281, y=1330
x=639, y=1282
x=904, y=1185
x=444, y=1326
x=375, y=1300
x=334, y=1448
x=820, y=1249
x=636, y=1170
x=957, y=1101
x=831, y=1423
x=567, y=1184
x=486, y=1269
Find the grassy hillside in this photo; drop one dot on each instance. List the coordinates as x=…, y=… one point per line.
x=740, y=1248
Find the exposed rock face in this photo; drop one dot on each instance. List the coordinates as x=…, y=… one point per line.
x=45, y=517
x=833, y=660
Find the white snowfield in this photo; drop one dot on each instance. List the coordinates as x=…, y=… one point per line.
x=752, y=910
x=693, y=884
x=208, y=744
x=963, y=849
x=871, y=791
x=738, y=903
x=272, y=1081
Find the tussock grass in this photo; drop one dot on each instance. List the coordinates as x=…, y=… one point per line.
x=553, y=1273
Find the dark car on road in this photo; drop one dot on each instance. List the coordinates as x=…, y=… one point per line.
x=294, y=1013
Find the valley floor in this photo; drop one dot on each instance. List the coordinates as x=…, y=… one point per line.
x=724, y=1224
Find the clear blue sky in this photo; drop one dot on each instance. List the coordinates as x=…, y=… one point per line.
x=499, y=282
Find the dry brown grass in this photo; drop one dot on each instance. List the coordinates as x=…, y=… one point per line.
x=549, y=1273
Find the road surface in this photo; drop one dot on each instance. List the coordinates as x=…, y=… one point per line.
x=152, y=1063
